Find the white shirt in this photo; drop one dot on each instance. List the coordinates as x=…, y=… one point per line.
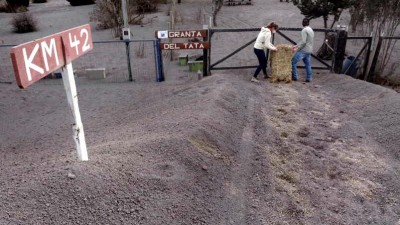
x=263, y=40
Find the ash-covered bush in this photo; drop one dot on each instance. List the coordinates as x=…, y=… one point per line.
x=39, y=1
x=4, y=7
x=24, y=23
x=81, y=2
x=18, y=3
x=13, y=6
x=108, y=14
x=146, y=6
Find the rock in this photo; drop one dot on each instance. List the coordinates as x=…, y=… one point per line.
x=205, y=168
x=71, y=175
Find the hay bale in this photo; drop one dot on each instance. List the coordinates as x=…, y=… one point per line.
x=281, y=64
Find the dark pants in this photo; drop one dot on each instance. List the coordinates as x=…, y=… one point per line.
x=262, y=59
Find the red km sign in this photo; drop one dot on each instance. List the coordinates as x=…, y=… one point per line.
x=36, y=59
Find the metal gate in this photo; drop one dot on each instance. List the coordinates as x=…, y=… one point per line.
x=325, y=65
x=366, y=49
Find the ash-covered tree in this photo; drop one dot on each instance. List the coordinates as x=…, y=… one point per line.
x=216, y=5
x=108, y=13
x=324, y=8
x=379, y=18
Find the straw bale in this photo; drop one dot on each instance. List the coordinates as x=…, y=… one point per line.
x=281, y=66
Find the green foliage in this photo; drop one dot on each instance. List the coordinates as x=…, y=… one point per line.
x=323, y=8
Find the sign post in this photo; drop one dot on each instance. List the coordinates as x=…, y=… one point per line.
x=195, y=34
x=33, y=60
x=78, y=133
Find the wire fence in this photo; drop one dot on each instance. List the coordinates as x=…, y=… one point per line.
x=113, y=57
x=390, y=71
x=110, y=55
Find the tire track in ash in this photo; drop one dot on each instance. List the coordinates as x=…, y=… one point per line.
x=226, y=20
x=236, y=197
x=229, y=21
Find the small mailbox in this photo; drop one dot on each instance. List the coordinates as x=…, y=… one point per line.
x=126, y=33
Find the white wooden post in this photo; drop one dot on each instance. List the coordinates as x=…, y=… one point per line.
x=72, y=96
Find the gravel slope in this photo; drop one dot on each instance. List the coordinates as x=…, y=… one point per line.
x=220, y=150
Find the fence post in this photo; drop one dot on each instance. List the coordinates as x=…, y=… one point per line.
x=205, y=56
x=210, y=34
x=159, y=63
x=128, y=56
x=366, y=63
x=340, y=49
x=155, y=43
x=371, y=74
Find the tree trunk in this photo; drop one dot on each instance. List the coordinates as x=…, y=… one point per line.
x=217, y=4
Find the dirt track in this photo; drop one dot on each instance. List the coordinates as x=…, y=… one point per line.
x=219, y=151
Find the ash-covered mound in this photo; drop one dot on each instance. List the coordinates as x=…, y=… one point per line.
x=221, y=150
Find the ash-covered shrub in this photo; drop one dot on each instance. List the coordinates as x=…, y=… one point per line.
x=4, y=7
x=81, y=2
x=18, y=3
x=146, y=6
x=13, y=6
x=39, y=1
x=108, y=14
x=24, y=23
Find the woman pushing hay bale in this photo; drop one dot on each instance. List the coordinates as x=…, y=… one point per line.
x=263, y=42
x=281, y=66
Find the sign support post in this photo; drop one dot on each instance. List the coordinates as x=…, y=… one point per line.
x=128, y=56
x=205, y=56
x=72, y=96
